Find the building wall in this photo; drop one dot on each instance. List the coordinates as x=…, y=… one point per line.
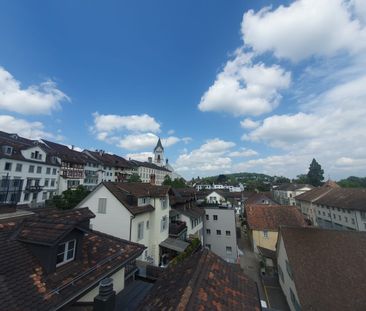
x=192, y=228
x=116, y=220
x=214, y=197
x=118, y=286
x=218, y=243
x=46, y=191
x=286, y=282
x=260, y=239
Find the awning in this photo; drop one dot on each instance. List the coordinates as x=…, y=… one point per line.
x=174, y=244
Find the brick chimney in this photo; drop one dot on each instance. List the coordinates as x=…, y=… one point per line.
x=106, y=299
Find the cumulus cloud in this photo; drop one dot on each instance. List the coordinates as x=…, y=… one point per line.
x=144, y=141
x=306, y=28
x=24, y=128
x=243, y=153
x=249, y=124
x=244, y=88
x=105, y=123
x=35, y=99
x=211, y=157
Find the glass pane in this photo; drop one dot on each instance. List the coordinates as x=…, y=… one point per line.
x=71, y=244
x=61, y=249
x=60, y=258
x=70, y=254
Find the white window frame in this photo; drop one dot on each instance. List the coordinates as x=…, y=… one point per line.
x=140, y=230
x=229, y=250
x=66, y=250
x=102, y=208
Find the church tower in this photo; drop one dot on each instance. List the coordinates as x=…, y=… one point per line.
x=159, y=154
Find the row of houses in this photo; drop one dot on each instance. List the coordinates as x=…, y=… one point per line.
x=33, y=171
x=59, y=263
x=231, y=188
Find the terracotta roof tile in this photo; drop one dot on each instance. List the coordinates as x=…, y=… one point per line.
x=203, y=281
x=270, y=217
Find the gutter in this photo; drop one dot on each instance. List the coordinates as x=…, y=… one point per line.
x=131, y=217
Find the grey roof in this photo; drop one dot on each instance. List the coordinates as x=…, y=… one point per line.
x=148, y=164
x=175, y=244
x=159, y=144
x=292, y=187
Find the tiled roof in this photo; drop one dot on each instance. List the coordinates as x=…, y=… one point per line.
x=25, y=284
x=348, y=198
x=270, y=217
x=259, y=198
x=127, y=194
x=191, y=211
x=109, y=159
x=292, y=187
x=313, y=194
x=203, y=281
x=328, y=267
x=136, y=163
x=18, y=144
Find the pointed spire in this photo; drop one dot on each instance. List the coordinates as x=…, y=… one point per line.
x=159, y=145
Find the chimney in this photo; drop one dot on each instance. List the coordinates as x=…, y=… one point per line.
x=106, y=299
x=149, y=159
x=72, y=147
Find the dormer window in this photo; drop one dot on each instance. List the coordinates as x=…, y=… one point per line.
x=8, y=150
x=65, y=252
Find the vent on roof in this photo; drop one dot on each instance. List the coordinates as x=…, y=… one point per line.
x=14, y=136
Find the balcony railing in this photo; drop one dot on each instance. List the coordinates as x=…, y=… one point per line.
x=33, y=188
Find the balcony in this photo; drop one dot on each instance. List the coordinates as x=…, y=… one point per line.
x=177, y=229
x=33, y=188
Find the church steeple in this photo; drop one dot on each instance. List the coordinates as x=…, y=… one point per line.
x=159, y=154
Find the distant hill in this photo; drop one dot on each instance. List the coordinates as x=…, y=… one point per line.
x=353, y=182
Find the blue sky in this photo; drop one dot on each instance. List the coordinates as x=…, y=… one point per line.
x=230, y=86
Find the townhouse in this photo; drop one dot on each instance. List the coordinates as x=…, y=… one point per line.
x=285, y=194
x=136, y=212
x=29, y=171
x=263, y=222
x=322, y=269
x=51, y=260
x=220, y=232
x=335, y=207
x=150, y=172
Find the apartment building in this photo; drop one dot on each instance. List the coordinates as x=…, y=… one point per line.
x=285, y=194
x=150, y=172
x=29, y=172
x=136, y=212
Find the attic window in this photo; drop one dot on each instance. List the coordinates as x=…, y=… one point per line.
x=8, y=150
x=65, y=252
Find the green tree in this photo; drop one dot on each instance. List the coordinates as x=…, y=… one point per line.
x=315, y=174
x=69, y=198
x=301, y=179
x=221, y=179
x=134, y=178
x=179, y=183
x=167, y=181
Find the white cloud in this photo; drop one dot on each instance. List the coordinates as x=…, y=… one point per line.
x=171, y=132
x=211, y=157
x=144, y=141
x=249, y=123
x=306, y=28
x=138, y=123
x=24, y=128
x=243, y=153
x=245, y=88
x=141, y=156
x=35, y=99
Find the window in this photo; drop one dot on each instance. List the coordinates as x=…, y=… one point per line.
x=39, y=169
x=208, y=246
x=208, y=231
x=26, y=196
x=207, y=217
x=346, y=219
x=102, y=206
x=289, y=271
x=7, y=166
x=65, y=252
x=218, y=232
x=52, y=182
x=228, y=233
x=265, y=234
x=214, y=217
x=280, y=272
x=31, y=169
x=48, y=170
x=147, y=225
x=228, y=250
x=18, y=167
x=46, y=182
x=164, y=203
x=339, y=217
x=353, y=221
x=35, y=195
x=140, y=230
x=54, y=171
x=44, y=196
x=8, y=150
x=164, y=223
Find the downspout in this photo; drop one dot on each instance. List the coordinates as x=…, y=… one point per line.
x=131, y=217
